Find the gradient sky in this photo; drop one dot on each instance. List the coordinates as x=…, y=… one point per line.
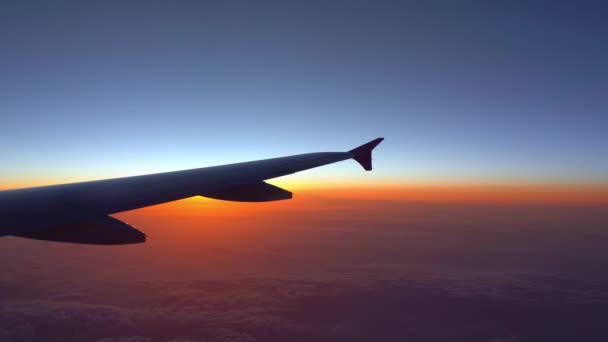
x=467, y=93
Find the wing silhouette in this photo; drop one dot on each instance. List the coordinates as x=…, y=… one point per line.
x=78, y=212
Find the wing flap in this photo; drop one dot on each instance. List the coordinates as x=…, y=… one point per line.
x=101, y=231
x=257, y=192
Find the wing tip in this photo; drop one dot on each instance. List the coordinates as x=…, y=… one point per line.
x=363, y=153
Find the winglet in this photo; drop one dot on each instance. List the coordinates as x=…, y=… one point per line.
x=363, y=153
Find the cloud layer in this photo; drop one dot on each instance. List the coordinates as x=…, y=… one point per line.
x=323, y=270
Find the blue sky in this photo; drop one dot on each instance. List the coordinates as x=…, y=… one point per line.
x=462, y=93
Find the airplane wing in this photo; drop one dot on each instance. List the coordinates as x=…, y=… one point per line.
x=78, y=212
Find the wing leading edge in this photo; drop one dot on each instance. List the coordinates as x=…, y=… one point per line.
x=78, y=212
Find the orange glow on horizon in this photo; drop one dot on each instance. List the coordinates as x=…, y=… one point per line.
x=464, y=193
x=436, y=193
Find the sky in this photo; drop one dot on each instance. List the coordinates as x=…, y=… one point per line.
x=467, y=93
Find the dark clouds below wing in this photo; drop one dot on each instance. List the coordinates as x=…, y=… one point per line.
x=278, y=310
x=398, y=271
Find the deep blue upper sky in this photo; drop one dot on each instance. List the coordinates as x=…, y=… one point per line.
x=462, y=93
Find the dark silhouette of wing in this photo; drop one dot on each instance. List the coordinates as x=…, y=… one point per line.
x=78, y=212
